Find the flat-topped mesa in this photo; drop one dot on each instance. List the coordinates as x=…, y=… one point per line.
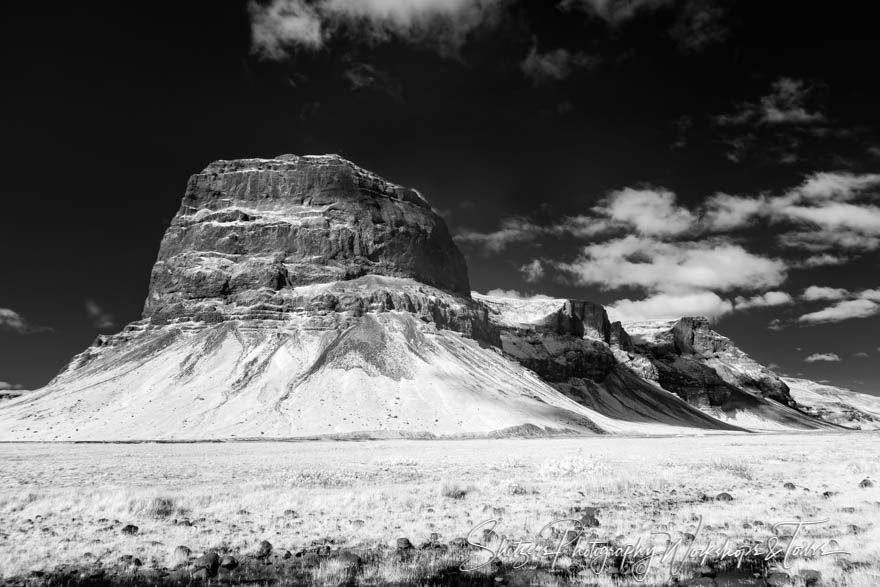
x=250, y=228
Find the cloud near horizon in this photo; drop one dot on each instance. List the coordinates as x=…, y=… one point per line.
x=642, y=238
x=823, y=357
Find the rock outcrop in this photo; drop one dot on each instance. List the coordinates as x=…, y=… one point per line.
x=249, y=232
x=709, y=371
x=835, y=404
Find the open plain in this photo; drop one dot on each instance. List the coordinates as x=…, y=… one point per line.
x=339, y=508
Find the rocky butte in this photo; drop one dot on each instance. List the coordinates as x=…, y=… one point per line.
x=305, y=297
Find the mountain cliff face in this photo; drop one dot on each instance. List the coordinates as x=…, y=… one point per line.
x=306, y=297
x=667, y=371
x=834, y=404
x=249, y=232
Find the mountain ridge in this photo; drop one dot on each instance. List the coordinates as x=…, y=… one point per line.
x=303, y=296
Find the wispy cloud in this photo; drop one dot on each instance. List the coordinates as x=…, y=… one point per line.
x=668, y=267
x=99, y=317
x=365, y=76
x=785, y=104
x=614, y=12
x=765, y=300
x=844, y=310
x=669, y=306
x=699, y=24
x=532, y=271
x=555, y=65
x=512, y=230
x=12, y=321
x=279, y=27
x=818, y=292
x=823, y=357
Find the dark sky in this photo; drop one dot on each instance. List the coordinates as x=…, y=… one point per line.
x=583, y=139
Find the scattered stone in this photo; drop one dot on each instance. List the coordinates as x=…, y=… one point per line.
x=358, y=523
x=777, y=580
x=789, y=486
x=588, y=519
x=210, y=561
x=265, y=549
x=723, y=496
x=459, y=543
x=811, y=577
x=228, y=562
x=286, y=555
x=291, y=513
x=404, y=544
x=130, y=529
x=866, y=483
x=828, y=494
x=348, y=558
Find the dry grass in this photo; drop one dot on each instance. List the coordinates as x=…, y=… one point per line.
x=59, y=502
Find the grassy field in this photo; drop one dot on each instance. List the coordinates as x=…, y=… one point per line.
x=66, y=504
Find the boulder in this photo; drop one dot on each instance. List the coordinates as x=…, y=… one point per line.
x=209, y=562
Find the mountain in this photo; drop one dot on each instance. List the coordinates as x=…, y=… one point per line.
x=305, y=297
x=835, y=404
x=669, y=371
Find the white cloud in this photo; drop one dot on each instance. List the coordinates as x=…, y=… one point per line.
x=870, y=294
x=512, y=230
x=819, y=240
x=582, y=226
x=614, y=12
x=555, y=65
x=670, y=306
x=824, y=185
x=651, y=212
x=99, y=317
x=826, y=357
x=845, y=310
x=533, y=271
x=861, y=355
x=816, y=292
x=726, y=212
x=673, y=267
x=785, y=104
x=771, y=298
x=284, y=25
x=4, y=386
x=12, y=321
x=515, y=294
x=821, y=260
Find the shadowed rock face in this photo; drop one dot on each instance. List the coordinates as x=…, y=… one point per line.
x=248, y=229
